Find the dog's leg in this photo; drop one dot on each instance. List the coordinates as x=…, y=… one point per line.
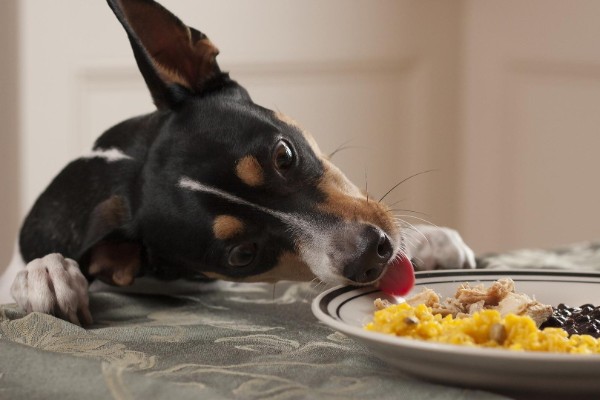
x=53, y=285
x=432, y=247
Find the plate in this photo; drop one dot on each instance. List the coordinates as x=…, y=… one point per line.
x=348, y=309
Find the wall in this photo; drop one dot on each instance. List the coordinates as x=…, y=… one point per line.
x=499, y=98
x=531, y=123
x=10, y=171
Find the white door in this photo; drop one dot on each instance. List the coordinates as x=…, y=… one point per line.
x=377, y=76
x=500, y=97
x=531, y=123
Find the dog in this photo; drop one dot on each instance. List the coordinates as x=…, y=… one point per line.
x=208, y=186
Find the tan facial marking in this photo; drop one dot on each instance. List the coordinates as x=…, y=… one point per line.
x=307, y=136
x=289, y=268
x=287, y=119
x=345, y=200
x=249, y=171
x=115, y=263
x=225, y=227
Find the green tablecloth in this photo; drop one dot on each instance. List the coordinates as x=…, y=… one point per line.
x=222, y=341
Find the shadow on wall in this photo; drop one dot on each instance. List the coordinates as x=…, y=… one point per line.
x=9, y=131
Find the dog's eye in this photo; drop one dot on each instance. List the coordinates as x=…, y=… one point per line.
x=283, y=156
x=242, y=255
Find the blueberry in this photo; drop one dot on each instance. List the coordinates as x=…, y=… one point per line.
x=582, y=319
x=554, y=322
x=587, y=308
x=572, y=331
x=566, y=312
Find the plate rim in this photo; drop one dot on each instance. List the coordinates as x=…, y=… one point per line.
x=450, y=349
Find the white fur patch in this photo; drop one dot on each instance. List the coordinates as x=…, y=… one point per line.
x=290, y=219
x=433, y=247
x=53, y=285
x=110, y=155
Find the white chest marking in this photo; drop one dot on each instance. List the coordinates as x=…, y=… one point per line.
x=110, y=155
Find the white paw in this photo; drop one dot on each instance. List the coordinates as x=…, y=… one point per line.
x=53, y=285
x=432, y=247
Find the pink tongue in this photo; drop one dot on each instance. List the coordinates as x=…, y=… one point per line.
x=399, y=278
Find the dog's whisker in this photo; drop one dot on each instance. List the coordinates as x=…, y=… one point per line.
x=342, y=149
x=401, y=254
x=366, y=185
x=407, y=210
x=415, y=229
x=396, y=202
x=417, y=261
x=411, y=243
x=322, y=285
x=415, y=217
x=344, y=146
x=404, y=180
x=313, y=289
x=315, y=280
x=408, y=240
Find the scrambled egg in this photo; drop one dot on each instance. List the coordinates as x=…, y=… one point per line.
x=485, y=328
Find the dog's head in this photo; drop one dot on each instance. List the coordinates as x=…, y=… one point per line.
x=235, y=191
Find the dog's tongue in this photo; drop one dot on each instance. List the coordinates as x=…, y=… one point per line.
x=399, y=277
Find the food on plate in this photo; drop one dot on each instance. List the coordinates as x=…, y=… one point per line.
x=467, y=300
x=496, y=317
x=485, y=328
x=575, y=320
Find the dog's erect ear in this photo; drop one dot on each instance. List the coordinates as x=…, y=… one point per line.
x=110, y=256
x=174, y=59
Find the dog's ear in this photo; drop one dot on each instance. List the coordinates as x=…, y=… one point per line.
x=174, y=59
x=109, y=255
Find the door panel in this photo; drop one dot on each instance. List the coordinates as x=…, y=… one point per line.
x=360, y=71
x=530, y=119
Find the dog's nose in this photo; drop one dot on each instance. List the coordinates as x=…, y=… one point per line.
x=373, y=252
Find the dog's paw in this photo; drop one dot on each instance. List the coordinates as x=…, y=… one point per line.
x=53, y=285
x=432, y=247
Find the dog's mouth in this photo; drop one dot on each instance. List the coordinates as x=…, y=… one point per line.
x=398, y=278
x=380, y=263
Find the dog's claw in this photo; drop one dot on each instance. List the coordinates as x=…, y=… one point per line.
x=432, y=247
x=53, y=285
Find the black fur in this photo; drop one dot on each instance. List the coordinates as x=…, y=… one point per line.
x=204, y=125
x=202, y=138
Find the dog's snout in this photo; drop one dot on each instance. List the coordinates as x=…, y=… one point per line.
x=373, y=252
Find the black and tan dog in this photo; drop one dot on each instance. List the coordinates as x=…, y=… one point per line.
x=210, y=185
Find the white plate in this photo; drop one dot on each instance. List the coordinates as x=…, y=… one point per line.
x=348, y=309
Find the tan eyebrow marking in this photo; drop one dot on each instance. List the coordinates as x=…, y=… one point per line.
x=249, y=171
x=225, y=227
x=307, y=136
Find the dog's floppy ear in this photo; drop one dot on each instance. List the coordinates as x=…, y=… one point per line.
x=110, y=256
x=174, y=59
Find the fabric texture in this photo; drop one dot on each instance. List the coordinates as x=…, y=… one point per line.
x=217, y=341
